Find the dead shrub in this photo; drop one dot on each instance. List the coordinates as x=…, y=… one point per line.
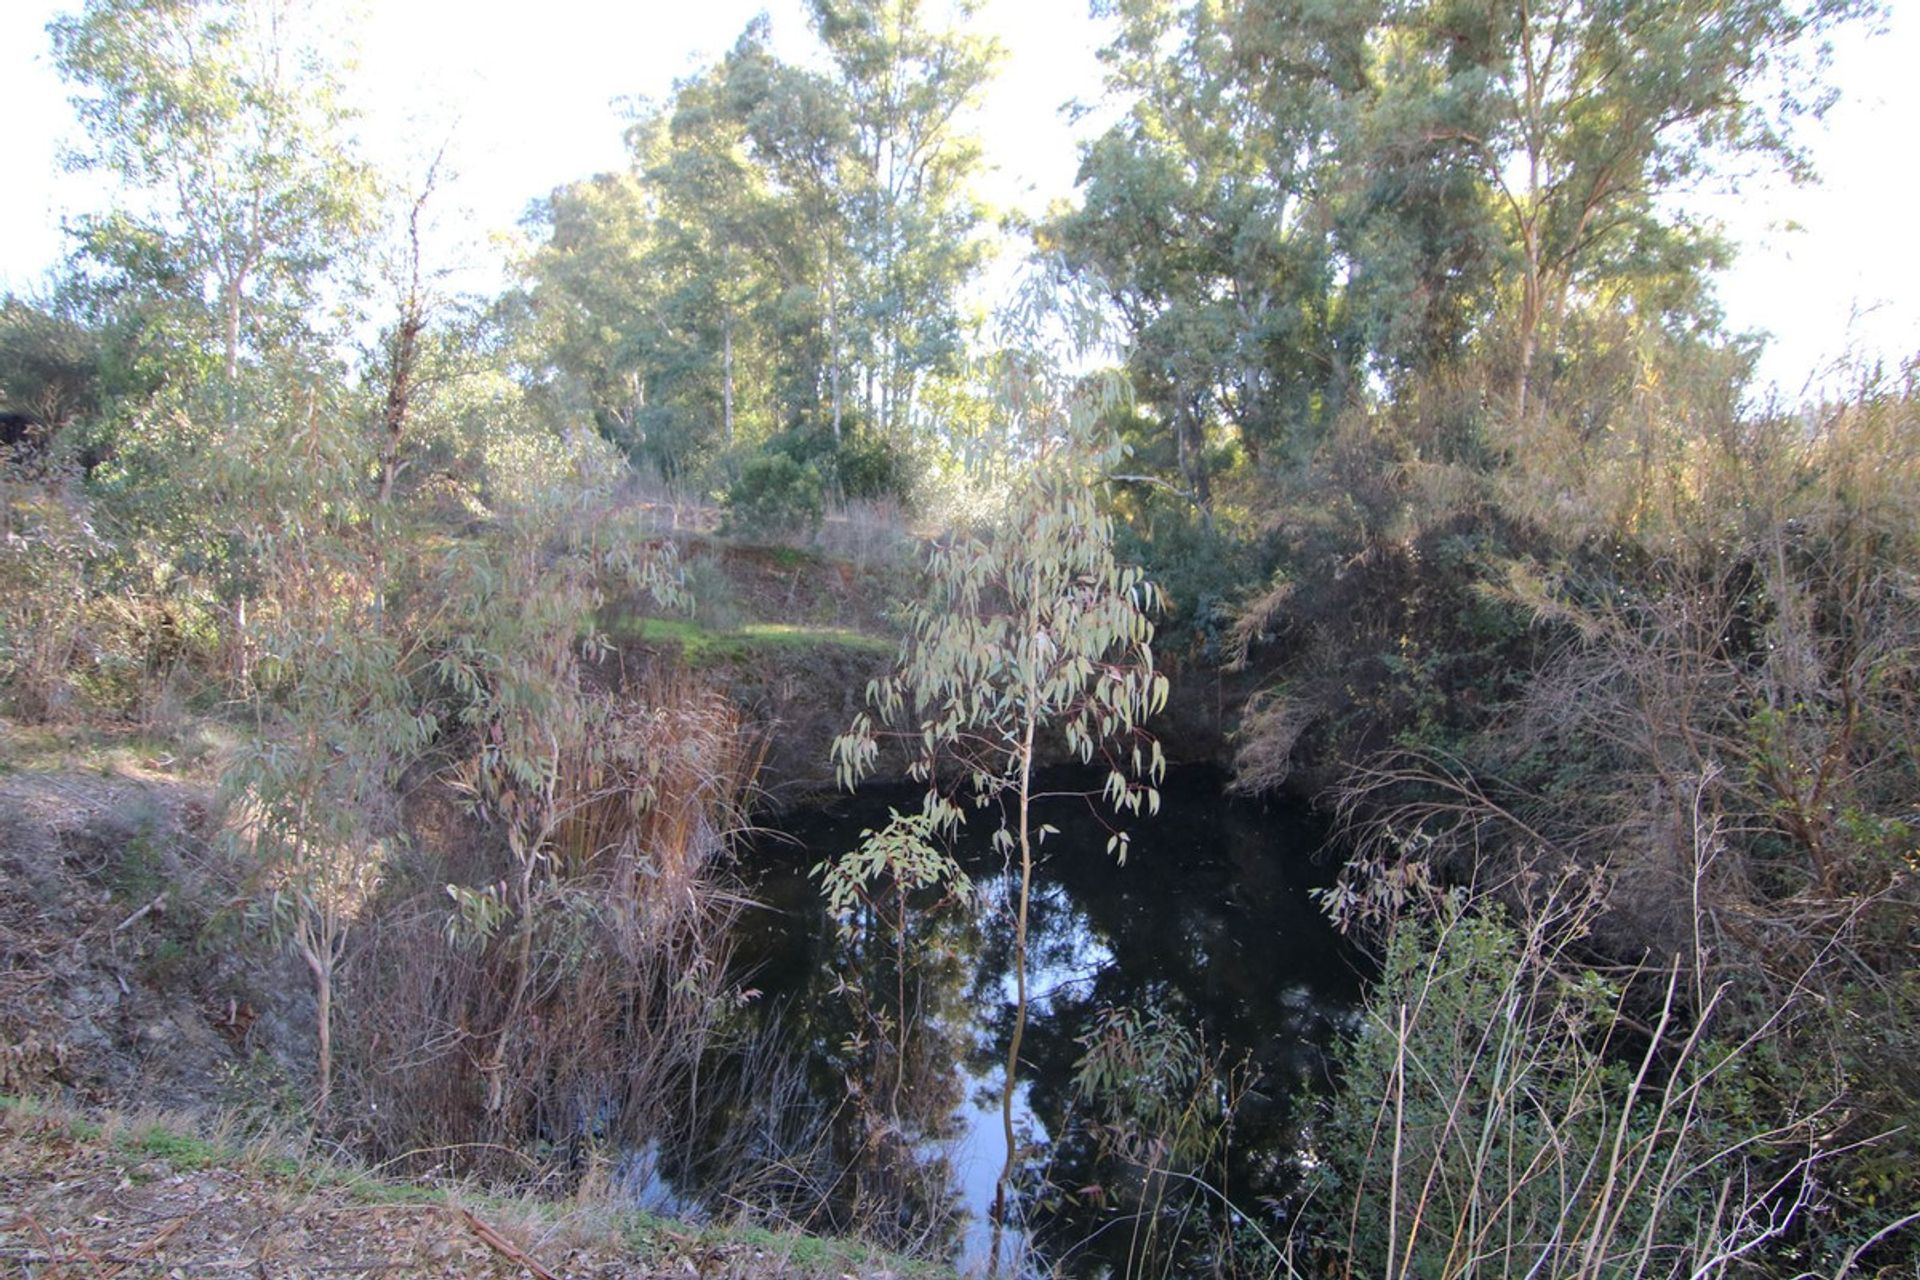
x=457, y=1059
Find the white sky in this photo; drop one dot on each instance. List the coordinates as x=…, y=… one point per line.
x=524, y=96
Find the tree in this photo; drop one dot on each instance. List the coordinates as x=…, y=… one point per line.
x=1579, y=116
x=1032, y=631
x=592, y=294
x=1204, y=216
x=797, y=126
x=1304, y=199
x=333, y=690
x=234, y=135
x=682, y=294
x=786, y=251
x=912, y=220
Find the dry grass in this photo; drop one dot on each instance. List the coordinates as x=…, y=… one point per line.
x=455, y=1063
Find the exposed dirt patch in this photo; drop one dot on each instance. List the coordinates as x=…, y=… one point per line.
x=150, y=1203
x=126, y=967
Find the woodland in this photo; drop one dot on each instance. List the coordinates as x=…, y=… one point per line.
x=1365, y=426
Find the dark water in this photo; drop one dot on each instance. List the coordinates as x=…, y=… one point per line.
x=1207, y=926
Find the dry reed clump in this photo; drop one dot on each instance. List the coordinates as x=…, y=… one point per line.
x=455, y=1061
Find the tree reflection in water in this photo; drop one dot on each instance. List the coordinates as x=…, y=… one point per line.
x=1208, y=927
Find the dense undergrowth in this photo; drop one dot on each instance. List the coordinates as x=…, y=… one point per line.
x=1460, y=501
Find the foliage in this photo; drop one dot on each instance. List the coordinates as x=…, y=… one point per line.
x=1034, y=628
x=1201, y=217
x=783, y=255
x=1307, y=205
x=234, y=137
x=1161, y=1105
x=1495, y=1117
x=50, y=362
x=47, y=546
x=592, y=972
x=775, y=494
x=904, y=855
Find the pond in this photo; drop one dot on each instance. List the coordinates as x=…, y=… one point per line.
x=868, y=1097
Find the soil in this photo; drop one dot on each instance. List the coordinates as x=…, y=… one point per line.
x=127, y=969
x=75, y=1206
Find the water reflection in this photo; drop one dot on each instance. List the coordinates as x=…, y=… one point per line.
x=887, y=1120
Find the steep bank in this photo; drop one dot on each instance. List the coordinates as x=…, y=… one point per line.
x=127, y=969
x=794, y=637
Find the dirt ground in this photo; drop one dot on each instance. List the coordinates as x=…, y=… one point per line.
x=79, y=1205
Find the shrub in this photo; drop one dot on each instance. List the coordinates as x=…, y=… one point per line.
x=1496, y=1117
x=776, y=495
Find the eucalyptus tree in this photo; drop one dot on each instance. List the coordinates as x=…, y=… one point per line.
x=913, y=220
x=1030, y=634
x=1303, y=198
x=799, y=133
x=686, y=293
x=228, y=134
x=704, y=192
x=1580, y=118
x=1205, y=214
x=590, y=289
x=787, y=247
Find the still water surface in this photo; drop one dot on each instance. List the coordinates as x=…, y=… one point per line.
x=1209, y=923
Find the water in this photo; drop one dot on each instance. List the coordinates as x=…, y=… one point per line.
x=1208, y=926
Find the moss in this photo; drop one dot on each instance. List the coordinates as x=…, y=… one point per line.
x=704, y=647
x=788, y=635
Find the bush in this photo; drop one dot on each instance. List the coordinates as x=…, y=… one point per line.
x=871, y=468
x=1496, y=1118
x=776, y=495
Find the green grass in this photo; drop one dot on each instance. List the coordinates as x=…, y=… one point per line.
x=703, y=646
x=791, y=635
x=183, y=1151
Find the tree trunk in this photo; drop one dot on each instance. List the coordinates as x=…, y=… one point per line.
x=833, y=349
x=1025, y=797
x=230, y=308
x=726, y=375
x=1529, y=322
x=399, y=396
x=1190, y=443
x=318, y=955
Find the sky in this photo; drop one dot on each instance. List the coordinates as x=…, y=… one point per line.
x=525, y=97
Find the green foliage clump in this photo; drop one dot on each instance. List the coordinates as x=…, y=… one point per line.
x=775, y=495
x=1496, y=1117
